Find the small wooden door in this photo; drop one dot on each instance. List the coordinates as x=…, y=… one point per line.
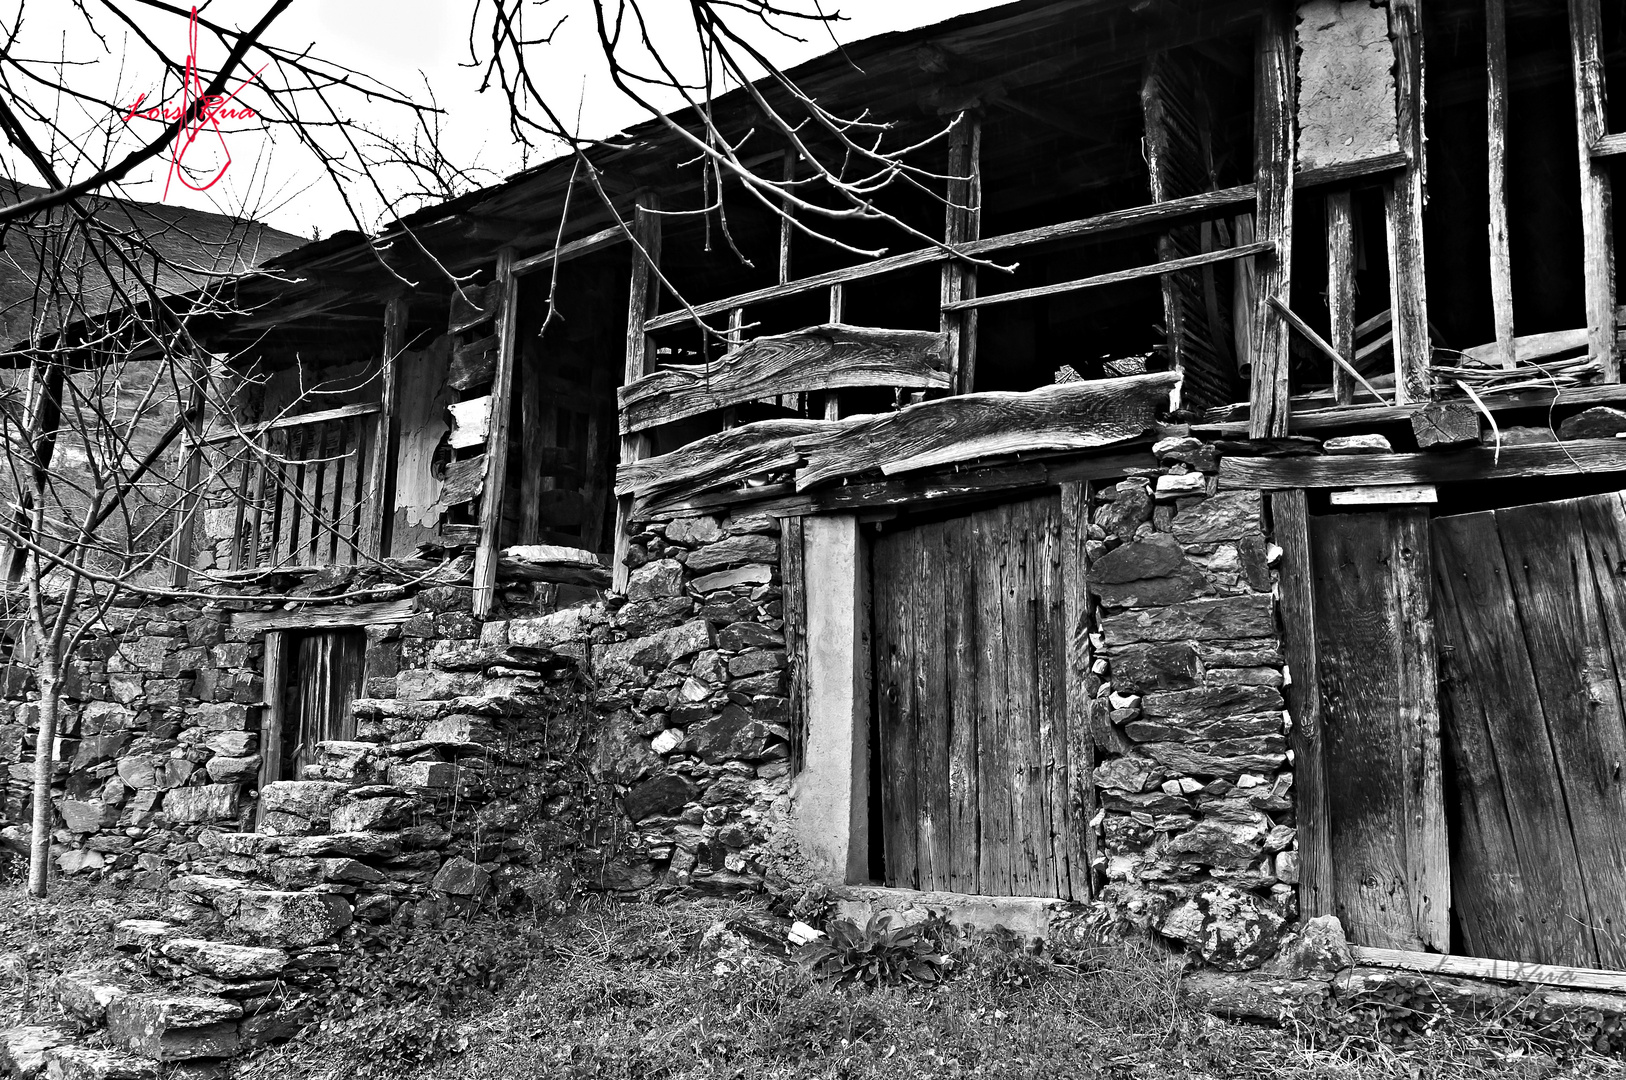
x=968, y=679
x=1375, y=661
x=1532, y=619
x=329, y=668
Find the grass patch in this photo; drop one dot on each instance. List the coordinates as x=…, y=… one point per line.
x=644, y=993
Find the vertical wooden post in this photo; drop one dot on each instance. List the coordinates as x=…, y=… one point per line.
x=1079, y=682
x=1273, y=176
x=502, y=390
x=838, y=313
x=380, y=507
x=1341, y=289
x=191, y=471
x=793, y=575
x=1501, y=262
x=1586, y=53
x=643, y=300
x=275, y=672
x=786, y=230
x=962, y=223
x=1291, y=524
x=1408, y=292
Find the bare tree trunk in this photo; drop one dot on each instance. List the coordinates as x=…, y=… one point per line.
x=39, y=852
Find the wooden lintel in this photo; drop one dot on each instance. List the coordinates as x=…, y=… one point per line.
x=818, y=358
x=1474, y=967
x=325, y=616
x=1386, y=495
x=1478, y=463
x=1321, y=416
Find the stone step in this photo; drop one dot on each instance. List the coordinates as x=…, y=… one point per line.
x=23, y=1049
x=84, y=995
x=274, y=917
x=174, y=1027
x=93, y=1063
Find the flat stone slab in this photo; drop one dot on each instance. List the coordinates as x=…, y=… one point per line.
x=23, y=1049
x=167, y=1027
x=84, y=995
x=143, y=933
x=234, y=962
x=92, y=1063
x=207, y=886
x=289, y=919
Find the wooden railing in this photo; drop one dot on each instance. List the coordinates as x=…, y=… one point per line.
x=301, y=489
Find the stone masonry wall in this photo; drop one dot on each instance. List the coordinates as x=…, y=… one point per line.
x=1197, y=807
x=571, y=739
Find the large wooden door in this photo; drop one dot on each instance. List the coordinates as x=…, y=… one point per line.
x=1375, y=661
x=1532, y=621
x=968, y=676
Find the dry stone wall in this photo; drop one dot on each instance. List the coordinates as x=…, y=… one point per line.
x=1197, y=819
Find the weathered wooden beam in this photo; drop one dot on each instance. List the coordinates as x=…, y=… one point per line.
x=1341, y=290
x=1445, y=424
x=941, y=488
x=1323, y=417
x=1403, y=201
x=1530, y=347
x=343, y=412
x=495, y=486
x=1474, y=967
x=473, y=363
x=1345, y=171
x=1291, y=527
x=1606, y=146
x=324, y=616
x=379, y=506
x=1263, y=247
x=587, y=245
x=1209, y=204
x=643, y=300
x=1597, y=222
x=1481, y=463
x=1501, y=261
x=816, y=358
x=1064, y=416
x=1273, y=218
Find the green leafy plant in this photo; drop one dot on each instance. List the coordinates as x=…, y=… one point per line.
x=881, y=952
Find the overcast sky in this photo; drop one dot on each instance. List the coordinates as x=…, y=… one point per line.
x=407, y=44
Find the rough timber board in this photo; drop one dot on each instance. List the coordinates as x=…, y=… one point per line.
x=1517, y=877
x=818, y=358
x=1064, y=416
x=1477, y=463
x=1475, y=967
x=1374, y=666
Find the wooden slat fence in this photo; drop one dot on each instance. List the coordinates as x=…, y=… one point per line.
x=299, y=493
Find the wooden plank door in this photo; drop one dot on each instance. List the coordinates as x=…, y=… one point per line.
x=1532, y=621
x=1376, y=669
x=329, y=668
x=969, y=658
